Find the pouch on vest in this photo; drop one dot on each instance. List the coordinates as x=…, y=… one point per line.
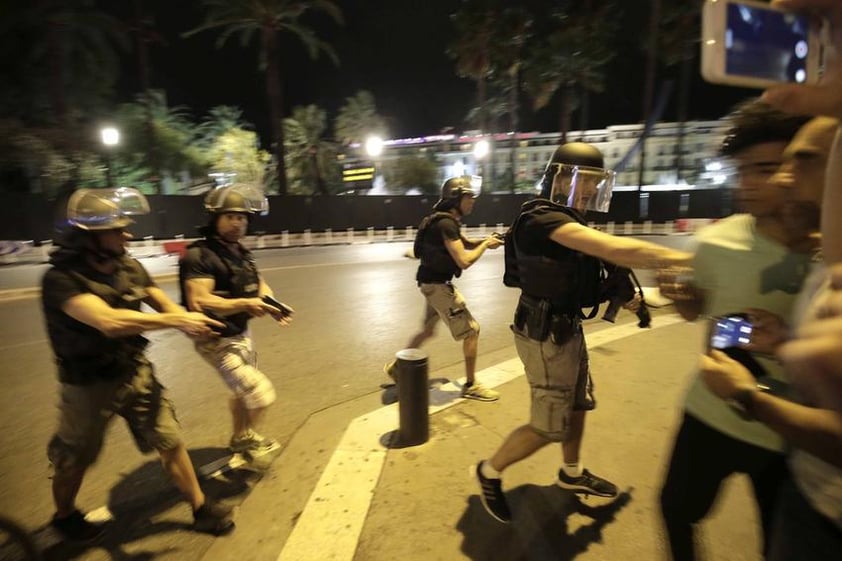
x=563, y=327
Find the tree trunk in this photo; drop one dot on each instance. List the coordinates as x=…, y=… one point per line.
x=649, y=83
x=483, y=113
x=143, y=73
x=274, y=95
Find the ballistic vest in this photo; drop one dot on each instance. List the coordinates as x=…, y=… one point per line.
x=83, y=353
x=568, y=279
x=434, y=255
x=236, y=277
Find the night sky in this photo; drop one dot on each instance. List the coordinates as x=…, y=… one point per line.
x=395, y=49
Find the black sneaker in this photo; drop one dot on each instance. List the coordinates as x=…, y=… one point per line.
x=75, y=528
x=587, y=483
x=214, y=518
x=491, y=494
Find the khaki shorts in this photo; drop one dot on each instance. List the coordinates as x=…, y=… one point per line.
x=446, y=303
x=559, y=377
x=86, y=410
x=236, y=361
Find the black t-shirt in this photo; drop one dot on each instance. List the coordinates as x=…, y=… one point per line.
x=77, y=342
x=439, y=231
x=534, y=232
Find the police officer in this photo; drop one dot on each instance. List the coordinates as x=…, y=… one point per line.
x=555, y=259
x=445, y=252
x=91, y=298
x=218, y=276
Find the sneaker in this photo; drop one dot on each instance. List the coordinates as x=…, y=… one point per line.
x=213, y=518
x=75, y=528
x=587, y=483
x=251, y=444
x=476, y=391
x=390, y=369
x=491, y=494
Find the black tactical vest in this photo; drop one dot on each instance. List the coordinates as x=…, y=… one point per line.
x=568, y=279
x=237, y=277
x=432, y=253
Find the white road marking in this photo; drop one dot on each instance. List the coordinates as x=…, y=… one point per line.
x=339, y=504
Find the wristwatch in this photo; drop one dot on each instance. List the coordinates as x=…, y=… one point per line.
x=743, y=401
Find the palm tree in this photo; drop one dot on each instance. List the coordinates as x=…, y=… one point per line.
x=474, y=26
x=312, y=158
x=220, y=120
x=270, y=18
x=572, y=58
x=358, y=119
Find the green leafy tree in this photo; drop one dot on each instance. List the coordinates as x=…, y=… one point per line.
x=358, y=119
x=220, y=119
x=269, y=19
x=572, y=58
x=413, y=172
x=312, y=159
x=237, y=151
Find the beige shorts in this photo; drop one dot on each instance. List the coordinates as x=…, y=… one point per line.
x=86, y=410
x=235, y=360
x=446, y=303
x=560, y=380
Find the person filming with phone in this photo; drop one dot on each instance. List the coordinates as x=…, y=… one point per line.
x=219, y=276
x=808, y=525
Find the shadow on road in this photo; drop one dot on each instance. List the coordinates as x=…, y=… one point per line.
x=140, y=506
x=540, y=530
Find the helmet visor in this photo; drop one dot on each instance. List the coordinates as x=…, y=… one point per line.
x=105, y=209
x=582, y=188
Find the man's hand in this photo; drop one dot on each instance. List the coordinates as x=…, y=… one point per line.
x=494, y=241
x=195, y=324
x=676, y=283
x=255, y=307
x=768, y=331
x=724, y=376
x=633, y=305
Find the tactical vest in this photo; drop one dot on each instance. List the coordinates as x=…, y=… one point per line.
x=435, y=256
x=240, y=280
x=84, y=354
x=569, y=280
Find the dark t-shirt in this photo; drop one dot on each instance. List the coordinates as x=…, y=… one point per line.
x=438, y=232
x=202, y=261
x=78, y=343
x=533, y=234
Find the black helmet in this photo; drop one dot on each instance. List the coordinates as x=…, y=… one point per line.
x=105, y=209
x=452, y=191
x=236, y=198
x=576, y=177
x=574, y=154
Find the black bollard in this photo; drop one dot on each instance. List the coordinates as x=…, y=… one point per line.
x=413, y=397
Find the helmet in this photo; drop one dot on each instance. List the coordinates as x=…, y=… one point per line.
x=454, y=188
x=105, y=209
x=576, y=177
x=236, y=198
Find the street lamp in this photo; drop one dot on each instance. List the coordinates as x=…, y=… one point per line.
x=373, y=146
x=110, y=137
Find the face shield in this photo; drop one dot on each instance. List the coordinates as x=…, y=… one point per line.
x=582, y=188
x=105, y=209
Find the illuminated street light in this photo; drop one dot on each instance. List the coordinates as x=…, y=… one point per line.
x=373, y=146
x=110, y=138
x=481, y=149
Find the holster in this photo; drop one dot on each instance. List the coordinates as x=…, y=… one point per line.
x=563, y=328
x=532, y=317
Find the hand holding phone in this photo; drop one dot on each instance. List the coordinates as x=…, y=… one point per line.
x=756, y=45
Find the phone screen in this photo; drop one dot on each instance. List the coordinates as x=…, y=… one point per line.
x=730, y=331
x=766, y=44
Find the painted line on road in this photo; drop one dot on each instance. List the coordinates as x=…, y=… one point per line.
x=339, y=504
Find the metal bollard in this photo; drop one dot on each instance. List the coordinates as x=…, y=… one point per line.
x=413, y=397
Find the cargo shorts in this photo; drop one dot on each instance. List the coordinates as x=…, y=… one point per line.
x=446, y=303
x=86, y=410
x=559, y=379
x=235, y=360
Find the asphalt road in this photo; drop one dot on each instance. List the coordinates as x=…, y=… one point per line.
x=356, y=305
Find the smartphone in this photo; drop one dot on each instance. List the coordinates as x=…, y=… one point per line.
x=280, y=306
x=751, y=44
x=732, y=330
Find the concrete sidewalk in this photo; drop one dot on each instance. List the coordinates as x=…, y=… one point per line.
x=377, y=503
